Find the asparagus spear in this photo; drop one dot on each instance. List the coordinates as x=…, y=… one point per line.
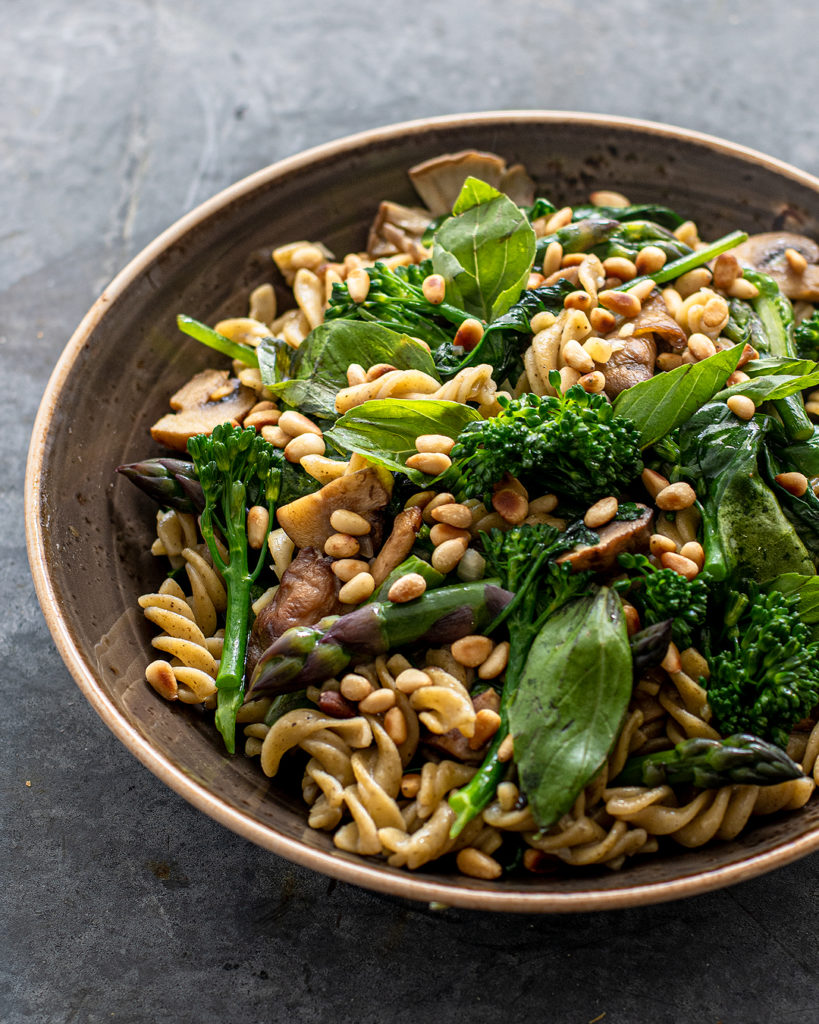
x=737, y=760
x=170, y=482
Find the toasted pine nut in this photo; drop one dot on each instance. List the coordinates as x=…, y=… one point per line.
x=441, y=532
x=276, y=436
x=468, y=334
x=407, y=588
x=377, y=702
x=623, y=303
x=643, y=289
x=438, y=443
x=559, y=220
x=322, y=469
x=545, y=503
x=599, y=349
x=421, y=499
x=447, y=555
x=359, y=588
x=304, y=444
x=578, y=300
x=356, y=374
x=355, y=687
x=511, y=506
x=653, y=482
x=673, y=300
x=749, y=353
x=658, y=544
x=676, y=497
x=411, y=679
x=619, y=266
x=358, y=285
x=688, y=284
x=258, y=520
x=506, y=751
x=431, y=463
x=794, y=483
x=593, y=383
x=508, y=795
x=434, y=289
x=395, y=725
x=160, y=676
x=607, y=197
x=410, y=784
x=496, y=662
x=540, y=321
x=742, y=406
x=632, y=617
x=476, y=864
x=341, y=545
x=649, y=260
x=259, y=418
x=742, y=289
x=534, y=280
x=684, y=566
x=552, y=259
x=737, y=377
x=471, y=650
x=601, y=512
x=701, y=347
x=568, y=378
x=694, y=550
x=796, y=261
x=716, y=313
x=577, y=357
x=687, y=233
x=694, y=664
x=295, y=424
x=487, y=723
x=345, y=521
x=726, y=270
x=668, y=361
x=453, y=514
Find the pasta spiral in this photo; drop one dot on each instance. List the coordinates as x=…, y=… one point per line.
x=472, y=384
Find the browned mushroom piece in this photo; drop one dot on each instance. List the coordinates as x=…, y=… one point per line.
x=766, y=252
x=439, y=181
x=398, y=545
x=396, y=229
x=654, y=318
x=208, y=399
x=631, y=361
x=308, y=591
x=614, y=539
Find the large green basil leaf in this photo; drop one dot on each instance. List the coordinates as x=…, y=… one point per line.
x=385, y=429
x=570, y=702
x=667, y=400
x=318, y=367
x=484, y=252
x=771, y=387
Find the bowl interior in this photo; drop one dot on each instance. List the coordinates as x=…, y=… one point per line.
x=90, y=532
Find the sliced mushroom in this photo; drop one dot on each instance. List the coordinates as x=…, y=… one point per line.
x=308, y=591
x=398, y=545
x=439, y=181
x=766, y=252
x=654, y=318
x=208, y=399
x=631, y=362
x=614, y=539
x=306, y=521
x=398, y=228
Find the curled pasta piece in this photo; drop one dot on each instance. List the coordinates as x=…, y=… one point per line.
x=436, y=781
x=689, y=724
x=296, y=728
x=542, y=356
x=445, y=705
x=472, y=384
x=208, y=585
x=182, y=638
x=393, y=384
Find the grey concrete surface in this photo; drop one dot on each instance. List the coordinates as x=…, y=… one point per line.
x=120, y=902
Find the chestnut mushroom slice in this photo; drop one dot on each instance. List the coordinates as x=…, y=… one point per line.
x=397, y=229
x=613, y=539
x=654, y=318
x=439, y=181
x=766, y=253
x=631, y=361
x=208, y=399
x=398, y=545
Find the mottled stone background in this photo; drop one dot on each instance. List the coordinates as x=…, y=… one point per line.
x=120, y=902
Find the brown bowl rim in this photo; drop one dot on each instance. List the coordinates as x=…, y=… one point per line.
x=358, y=872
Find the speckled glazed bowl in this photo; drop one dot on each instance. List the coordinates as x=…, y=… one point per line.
x=89, y=533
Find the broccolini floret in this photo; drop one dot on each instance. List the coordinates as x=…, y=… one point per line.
x=764, y=669
x=806, y=337
x=662, y=594
x=572, y=444
x=229, y=463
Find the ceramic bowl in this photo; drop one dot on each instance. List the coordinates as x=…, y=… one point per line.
x=89, y=532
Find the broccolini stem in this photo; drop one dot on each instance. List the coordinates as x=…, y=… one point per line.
x=685, y=263
x=207, y=335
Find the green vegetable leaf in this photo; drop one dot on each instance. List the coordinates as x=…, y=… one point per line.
x=778, y=365
x=807, y=587
x=484, y=252
x=318, y=368
x=771, y=386
x=667, y=400
x=213, y=339
x=570, y=702
x=385, y=429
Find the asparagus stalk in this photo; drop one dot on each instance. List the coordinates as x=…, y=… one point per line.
x=170, y=482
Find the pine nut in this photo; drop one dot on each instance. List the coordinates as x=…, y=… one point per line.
x=658, y=544
x=726, y=270
x=742, y=406
x=568, y=378
x=453, y=515
x=395, y=726
x=447, y=555
x=358, y=589
x=552, y=259
x=511, y=506
x=258, y=521
x=322, y=469
x=431, y=463
x=602, y=320
x=355, y=687
x=259, y=418
x=304, y=444
x=439, y=443
x=506, y=751
x=476, y=864
x=687, y=233
x=444, y=498
x=159, y=675
x=653, y=482
x=508, y=795
x=668, y=361
x=643, y=289
x=276, y=436
x=599, y=349
x=347, y=568
x=742, y=289
x=295, y=424
x=358, y=285
x=496, y=662
x=649, y=260
x=701, y=347
x=471, y=650
x=468, y=334
x=472, y=566
x=632, y=617
x=601, y=512
x=356, y=374
x=693, y=281
x=794, y=483
x=559, y=220
x=593, y=383
x=379, y=370
x=607, y=197
x=539, y=862
x=407, y=588
x=578, y=300
x=673, y=300
x=619, y=266
x=434, y=289
x=684, y=566
x=576, y=356
x=676, y=497
x=341, y=545
x=410, y=784
x=421, y=499
x=622, y=303
x=442, y=532
x=540, y=321
x=694, y=664
x=545, y=503
x=534, y=280
x=345, y=521
x=694, y=550
x=411, y=679
x=737, y=377
x=487, y=723
x=715, y=314
x=796, y=261
x=377, y=702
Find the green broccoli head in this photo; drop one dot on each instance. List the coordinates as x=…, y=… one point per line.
x=573, y=445
x=765, y=676
x=662, y=594
x=806, y=337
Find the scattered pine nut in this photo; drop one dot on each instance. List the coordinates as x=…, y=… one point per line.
x=160, y=676
x=438, y=443
x=476, y=864
x=276, y=436
x=358, y=589
x=680, y=564
x=676, y=497
x=304, y=444
x=434, y=289
x=622, y=303
x=345, y=521
x=356, y=374
x=453, y=514
x=593, y=383
x=601, y=512
x=258, y=521
x=377, y=702
x=395, y=725
x=796, y=261
x=602, y=320
x=794, y=483
x=447, y=555
x=619, y=266
x=468, y=334
x=742, y=289
x=347, y=568
x=471, y=650
x=653, y=482
x=496, y=662
x=431, y=463
x=341, y=545
x=742, y=406
x=632, y=617
x=487, y=723
x=649, y=260
x=599, y=349
x=694, y=550
x=410, y=784
x=659, y=544
x=671, y=662
x=442, y=532
x=510, y=505
x=407, y=588
x=506, y=751
x=295, y=424
x=552, y=259
x=358, y=285
x=411, y=679
x=355, y=687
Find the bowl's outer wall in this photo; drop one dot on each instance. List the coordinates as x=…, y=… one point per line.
x=97, y=529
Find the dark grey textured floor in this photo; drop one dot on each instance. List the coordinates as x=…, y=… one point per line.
x=120, y=902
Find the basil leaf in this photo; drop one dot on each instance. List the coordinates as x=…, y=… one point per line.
x=318, y=367
x=569, y=705
x=385, y=429
x=778, y=365
x=661, y=404
x=771, y=386
x=484, y=252
x=275, y=359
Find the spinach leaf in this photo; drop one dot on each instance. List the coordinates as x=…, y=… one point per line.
x=385, y=429
x=275, y=359
x=658, y=405
x=570, y=702
x=801, y=509
x=767, y=366
x=484, y=252
x=318, y=367
x=661, y=215
x=803, y=455
x=771, y=387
